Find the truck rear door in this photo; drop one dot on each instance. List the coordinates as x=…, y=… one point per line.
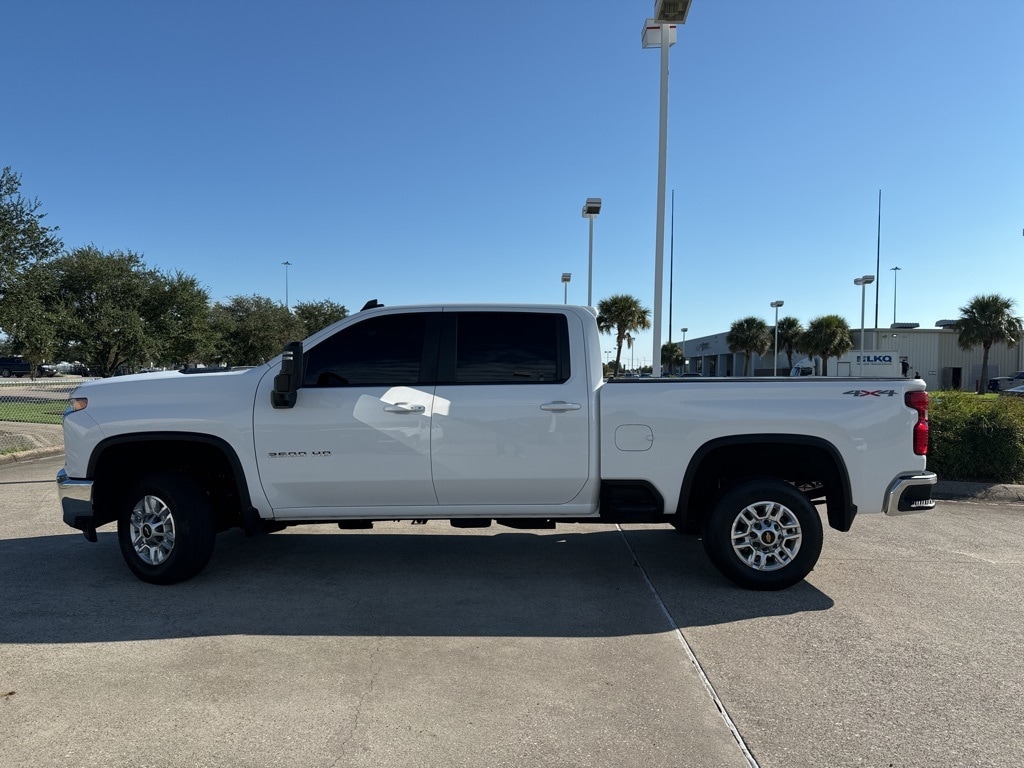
x=511, y=409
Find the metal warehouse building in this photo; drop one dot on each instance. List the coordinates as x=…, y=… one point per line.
x=933, y=353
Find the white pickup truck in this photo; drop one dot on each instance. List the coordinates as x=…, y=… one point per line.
x=478, y=414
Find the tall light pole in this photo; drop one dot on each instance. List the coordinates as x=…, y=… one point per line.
x=566, y=277
x=660, y=32
x=671, y=262
x=863, y=282
x=895, y=273
x=878, y=254
x=286, y=264
x=591, y=209
x=683, y=367
x=775, y=362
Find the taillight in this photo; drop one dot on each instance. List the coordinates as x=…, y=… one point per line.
x=919, y=402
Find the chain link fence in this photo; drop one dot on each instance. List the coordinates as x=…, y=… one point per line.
x=31, y=411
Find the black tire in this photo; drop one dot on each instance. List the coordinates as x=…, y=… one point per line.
x=763, y=535
x=166, y=528
x=5, y=373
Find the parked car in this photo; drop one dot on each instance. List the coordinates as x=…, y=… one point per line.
x=1000, y=383
x=1013, y=392
x=17, y=365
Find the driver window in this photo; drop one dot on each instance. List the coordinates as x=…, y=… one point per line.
x=381, y=351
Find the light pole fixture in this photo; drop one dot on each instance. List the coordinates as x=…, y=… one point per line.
x=683, y=367
x=286, y=264
x=775, y=362
x=566, y=277
x=660, y=32
x=895, y=273
x=591, y=209
x=863, y=282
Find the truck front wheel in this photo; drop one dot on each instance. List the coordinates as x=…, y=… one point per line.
x=166, y=528
x=763, y=534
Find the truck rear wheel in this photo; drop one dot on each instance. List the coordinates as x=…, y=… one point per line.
x=764, y=535
x=166, y=528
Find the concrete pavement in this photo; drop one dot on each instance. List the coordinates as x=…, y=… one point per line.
x=585, y=646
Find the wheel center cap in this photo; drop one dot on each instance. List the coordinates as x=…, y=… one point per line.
x=147, y=531
x=768, y=537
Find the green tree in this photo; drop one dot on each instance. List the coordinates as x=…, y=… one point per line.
x=988, y=319
x=249, y=330
x=178, y=320
x=671, y=355
x=826, y=336
x=113, y=312
x=749, y=336
x=790, y=330
x=319, y=314
x=622, y=315
x=34, y=316
x=24, y=240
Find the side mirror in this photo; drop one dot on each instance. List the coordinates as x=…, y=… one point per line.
x=286, y=383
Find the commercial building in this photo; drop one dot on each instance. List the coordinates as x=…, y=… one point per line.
x=931, y=353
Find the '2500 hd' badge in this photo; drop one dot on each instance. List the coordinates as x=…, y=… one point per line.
x=297, y=454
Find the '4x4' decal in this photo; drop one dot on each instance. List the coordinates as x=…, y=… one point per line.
x=870, y=392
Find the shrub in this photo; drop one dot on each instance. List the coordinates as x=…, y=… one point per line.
x=976, y=438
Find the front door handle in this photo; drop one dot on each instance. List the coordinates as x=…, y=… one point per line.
x=560, y=406
x=404, y=408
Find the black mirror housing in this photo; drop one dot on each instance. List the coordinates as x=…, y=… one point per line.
x=287, y=382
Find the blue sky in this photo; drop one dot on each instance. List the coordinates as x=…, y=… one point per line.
x=420, y=152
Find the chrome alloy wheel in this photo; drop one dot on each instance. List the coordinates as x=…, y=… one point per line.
x=766, y=536
x=152, y=530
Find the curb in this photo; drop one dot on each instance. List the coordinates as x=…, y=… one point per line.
x=34, y=453
x=957, y=490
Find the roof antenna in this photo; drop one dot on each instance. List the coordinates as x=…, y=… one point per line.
x=371, y=304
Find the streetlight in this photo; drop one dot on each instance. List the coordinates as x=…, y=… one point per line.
x=895, y=273
x=863, y=282
x=286, y=264
x=683, y=367
x=775, y=363
x=660, y=32
x=590, y=210
x=566, y=277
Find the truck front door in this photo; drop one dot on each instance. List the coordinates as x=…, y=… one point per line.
x=359, y=434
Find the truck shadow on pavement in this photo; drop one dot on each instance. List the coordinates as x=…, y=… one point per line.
x=60, y=589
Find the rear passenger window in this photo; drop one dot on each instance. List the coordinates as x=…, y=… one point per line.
x=511, y=348
x=381, y=351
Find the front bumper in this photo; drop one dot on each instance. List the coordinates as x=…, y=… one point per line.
x=76, y=502
x=910, y=493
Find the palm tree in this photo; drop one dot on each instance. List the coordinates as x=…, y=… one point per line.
x=749, y=336
x=986, y=320
x=826, y=336
x=790, y=330
x=671, y=355
x=622, y=315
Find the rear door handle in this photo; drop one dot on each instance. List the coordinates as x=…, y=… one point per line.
x=404, y=408
x=560, y=406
